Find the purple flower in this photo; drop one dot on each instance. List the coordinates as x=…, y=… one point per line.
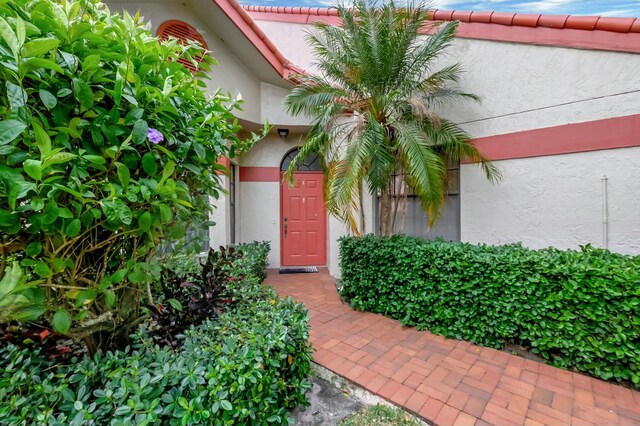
x=154, y=136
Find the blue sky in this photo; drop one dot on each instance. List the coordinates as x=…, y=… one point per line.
x=624, y=8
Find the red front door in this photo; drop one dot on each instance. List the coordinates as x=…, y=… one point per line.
x=303, y=221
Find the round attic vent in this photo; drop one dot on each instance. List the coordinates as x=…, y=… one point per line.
x=185, y=33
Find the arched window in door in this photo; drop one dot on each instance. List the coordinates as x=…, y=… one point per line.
x=310, y=164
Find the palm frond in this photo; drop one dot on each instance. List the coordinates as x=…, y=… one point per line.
x=451, y=142
x=375, y=104
x=426, y=170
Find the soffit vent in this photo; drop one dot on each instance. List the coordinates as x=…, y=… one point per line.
x=185, y=33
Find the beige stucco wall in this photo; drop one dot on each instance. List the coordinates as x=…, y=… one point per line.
x=551, y=200
x=555, y=201
x=262, y=101
x=522, y=86
x=259, y=214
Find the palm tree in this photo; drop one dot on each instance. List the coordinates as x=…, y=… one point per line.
x=373, y=110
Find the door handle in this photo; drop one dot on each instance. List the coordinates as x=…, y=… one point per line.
x=285, y=230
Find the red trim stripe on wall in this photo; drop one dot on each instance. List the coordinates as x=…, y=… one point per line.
x=611, y=133
x=259, y=174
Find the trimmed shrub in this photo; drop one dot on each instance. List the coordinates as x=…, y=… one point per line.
x=577, y=309
x=250, y=366
x=253, y=260
x=194, y=289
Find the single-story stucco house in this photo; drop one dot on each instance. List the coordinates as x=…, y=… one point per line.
x=560, y=117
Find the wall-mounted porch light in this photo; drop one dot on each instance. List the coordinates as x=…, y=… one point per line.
x=283, y=133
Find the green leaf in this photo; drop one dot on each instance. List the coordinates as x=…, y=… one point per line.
x=73, y=228
x=91, y=63
x=226, y=405
x=17, y=96
x=175, y=304
x=48, y=99
x=96, y=160
x=61, y=322
x=37, y=63
x=63, y=93
x=165, y=213
x=42, y=138
x=39, y=46
x=145, y=221
x=21, y=31
x=117, y=92
x=123, y=174
x=28, y=313
x=33, y=168
x=50, y=213
x=37, y=204
x=133, y=116
x=10, y=280
x=10, y=130
x=33, y=249
x=166, y=89
x=149, y=164
x=110, y=298
x=58, y=158
x=118, y=276
x=83, y=93
x=9, y=37
x=42, y=269
x=18, y=190
x=168, y=170
x=117, y=212
x=140, y=130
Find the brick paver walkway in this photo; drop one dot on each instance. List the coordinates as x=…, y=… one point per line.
x=449, y=382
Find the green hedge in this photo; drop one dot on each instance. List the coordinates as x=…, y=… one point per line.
x=249, y=365
x=253, y=261
x=577, y=309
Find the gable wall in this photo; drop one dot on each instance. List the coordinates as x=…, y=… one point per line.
x=231, y=74
x=549, y=195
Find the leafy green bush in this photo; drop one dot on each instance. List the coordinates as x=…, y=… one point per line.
x=108, y=145
x=192, y=289
x=577, y=309
x=253, y=260
x=250, y=366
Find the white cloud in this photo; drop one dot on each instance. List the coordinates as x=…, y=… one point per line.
x=618, y=12
x=547, y=6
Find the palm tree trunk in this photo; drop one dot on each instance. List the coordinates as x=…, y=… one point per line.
x=363, y=227
x=385, y=213
x=403, y=210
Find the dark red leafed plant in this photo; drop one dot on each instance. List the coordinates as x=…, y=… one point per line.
x=192, y=298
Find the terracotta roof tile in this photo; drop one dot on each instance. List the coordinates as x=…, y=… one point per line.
x=442, y=15
x=586, y=23
x=502, y=18
x=461, y=15
x=552, y=21
x=618, y=25
x=526, y=20
x=482, y=17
